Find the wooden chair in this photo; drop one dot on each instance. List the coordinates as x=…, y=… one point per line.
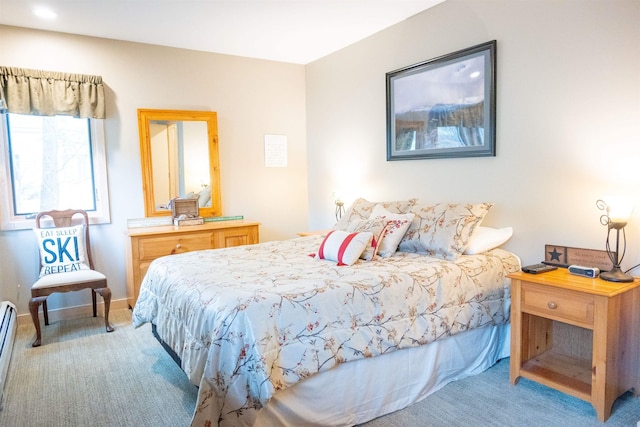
x=67, y=281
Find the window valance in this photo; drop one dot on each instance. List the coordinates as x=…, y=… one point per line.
x=49, y=93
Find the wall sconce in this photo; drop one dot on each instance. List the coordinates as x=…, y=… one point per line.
x=339, y=205
x=618, y=214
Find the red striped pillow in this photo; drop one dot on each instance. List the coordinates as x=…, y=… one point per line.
x=343, y=247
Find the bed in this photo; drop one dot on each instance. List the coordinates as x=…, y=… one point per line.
x=304, y=332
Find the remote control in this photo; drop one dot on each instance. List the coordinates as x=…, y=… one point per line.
x=538, y=268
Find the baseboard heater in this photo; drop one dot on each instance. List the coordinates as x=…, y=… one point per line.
x=8, y=327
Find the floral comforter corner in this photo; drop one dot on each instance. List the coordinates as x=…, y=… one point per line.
x=251, y=320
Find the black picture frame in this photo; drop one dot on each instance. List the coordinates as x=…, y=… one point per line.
x=444, y=107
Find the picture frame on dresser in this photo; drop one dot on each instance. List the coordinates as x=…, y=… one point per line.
x=443, y=107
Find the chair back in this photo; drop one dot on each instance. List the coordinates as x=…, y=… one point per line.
x=65, y=219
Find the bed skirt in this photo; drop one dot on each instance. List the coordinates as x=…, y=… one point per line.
x=359, y=391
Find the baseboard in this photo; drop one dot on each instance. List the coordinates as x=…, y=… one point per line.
x=72, y=312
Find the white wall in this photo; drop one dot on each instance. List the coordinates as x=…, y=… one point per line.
x=568, y=125
x=568, y=118
x=252, y=98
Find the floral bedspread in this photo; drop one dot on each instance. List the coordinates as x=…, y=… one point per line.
x=251, y=320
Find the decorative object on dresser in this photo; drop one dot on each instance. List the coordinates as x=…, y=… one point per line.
x=224, y=218
x=577, y=335
x=185, y=212
x=149, y=243
x=66, y=264
x=618, y=212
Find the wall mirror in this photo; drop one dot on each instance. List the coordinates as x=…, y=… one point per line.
x=179, y=156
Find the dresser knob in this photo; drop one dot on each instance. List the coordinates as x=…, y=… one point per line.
x=552, y=305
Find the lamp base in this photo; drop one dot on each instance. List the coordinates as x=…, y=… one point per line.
x=616, y=275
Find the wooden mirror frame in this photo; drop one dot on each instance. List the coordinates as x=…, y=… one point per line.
x=145, y=117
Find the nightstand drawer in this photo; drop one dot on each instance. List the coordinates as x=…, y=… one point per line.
x=559, y=304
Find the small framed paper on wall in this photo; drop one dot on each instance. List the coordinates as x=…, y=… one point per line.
x=275, y=151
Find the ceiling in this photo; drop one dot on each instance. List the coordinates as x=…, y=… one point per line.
x=295, y=31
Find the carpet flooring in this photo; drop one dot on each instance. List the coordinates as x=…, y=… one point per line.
x=489, y=399
x=82, y=376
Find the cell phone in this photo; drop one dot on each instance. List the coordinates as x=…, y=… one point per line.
x=538, y=268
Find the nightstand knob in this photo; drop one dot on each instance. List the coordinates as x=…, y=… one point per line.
x=552, y=305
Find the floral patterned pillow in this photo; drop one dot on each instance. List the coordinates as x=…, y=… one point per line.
x=377, y=226
x=361, y=209
x=443, y=229
x=397, y=226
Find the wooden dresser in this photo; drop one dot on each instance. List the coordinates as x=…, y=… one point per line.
x=148, y=243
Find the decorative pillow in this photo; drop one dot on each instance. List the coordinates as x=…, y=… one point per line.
x=61, y=249
x=484, y=239
x=204, y=197
x=361, y=209
x=377, y=226
x=443, y=230
x=397, y=226
x=343, y=247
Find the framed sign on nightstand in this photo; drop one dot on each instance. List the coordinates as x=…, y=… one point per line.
x=564, y=256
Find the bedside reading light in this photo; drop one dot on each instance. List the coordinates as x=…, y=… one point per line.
x=618, y=212
x=339, y=205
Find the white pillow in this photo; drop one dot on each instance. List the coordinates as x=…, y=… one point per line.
x=204, y=197
x=61, y=249
x=484, y=239
x=343, y=247
x=397, y=226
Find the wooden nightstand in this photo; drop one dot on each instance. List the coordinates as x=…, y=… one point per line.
x=313, y=233
x=577, y=335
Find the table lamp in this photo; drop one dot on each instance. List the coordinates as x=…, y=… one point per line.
x=618, y=213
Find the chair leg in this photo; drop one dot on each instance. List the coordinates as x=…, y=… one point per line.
x=34, y=305
x=45, y=311
x=106, y=295
x=93, y=300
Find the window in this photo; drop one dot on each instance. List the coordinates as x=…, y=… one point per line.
x=52, y=162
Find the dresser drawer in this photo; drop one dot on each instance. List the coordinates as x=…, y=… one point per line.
x=150, y=243
x=153, y=247
x=559, y=304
